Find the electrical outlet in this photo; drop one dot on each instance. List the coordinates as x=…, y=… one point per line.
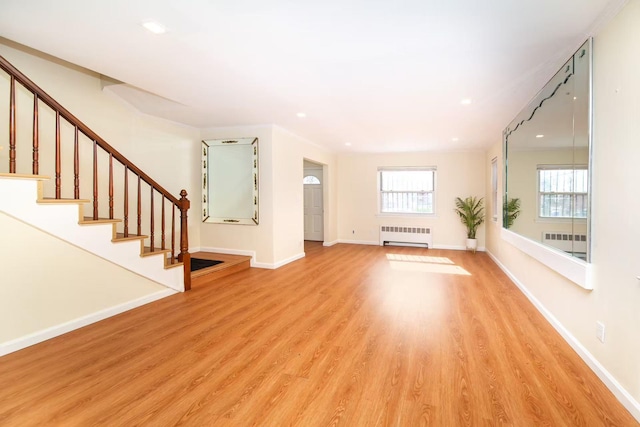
x=600, y=331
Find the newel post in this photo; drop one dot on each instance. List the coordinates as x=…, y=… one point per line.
x=185, y=256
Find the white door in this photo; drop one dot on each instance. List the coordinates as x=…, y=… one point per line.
x=313, y=212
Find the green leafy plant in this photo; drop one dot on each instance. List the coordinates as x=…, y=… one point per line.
x=471, y=213
x=511, y=210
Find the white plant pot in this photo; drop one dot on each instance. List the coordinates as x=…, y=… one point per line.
x=472, y=244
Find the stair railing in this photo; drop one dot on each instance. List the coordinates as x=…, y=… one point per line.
x=61, y=114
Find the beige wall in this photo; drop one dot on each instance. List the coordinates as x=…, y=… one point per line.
x=164, y=150
x=37, y=290
x=460, y=174
x=615, y=300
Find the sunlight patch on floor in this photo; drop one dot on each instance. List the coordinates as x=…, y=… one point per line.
x=426, y=264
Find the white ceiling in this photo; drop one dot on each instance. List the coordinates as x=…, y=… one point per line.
x=384, y=76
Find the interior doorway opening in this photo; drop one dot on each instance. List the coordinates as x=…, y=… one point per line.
x=313, y=182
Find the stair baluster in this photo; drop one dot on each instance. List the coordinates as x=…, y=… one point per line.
x=12, y=126
x=36, y=140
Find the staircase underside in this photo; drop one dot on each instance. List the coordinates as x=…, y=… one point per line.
x=65, y=219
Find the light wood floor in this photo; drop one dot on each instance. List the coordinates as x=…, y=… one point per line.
x=350, y=335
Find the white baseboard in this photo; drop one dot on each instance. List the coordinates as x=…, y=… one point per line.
x=360, y=242
x=63, y=328
x=288, y=260
x=456, y=248
x=252, y=254
x=632, y=405
x=328, y=244
x=279, y=264
x=242, y=252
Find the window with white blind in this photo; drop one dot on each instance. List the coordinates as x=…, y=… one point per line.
x=407, y=190
x=562, y=191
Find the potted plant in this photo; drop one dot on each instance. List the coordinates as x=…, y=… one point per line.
x=471, y=213
x=511, y=210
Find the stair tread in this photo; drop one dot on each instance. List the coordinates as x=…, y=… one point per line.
x=174, y=265
x=63, y=201
x=24, y=176
x=121, y=237
x=90, y=220
x=147, y=251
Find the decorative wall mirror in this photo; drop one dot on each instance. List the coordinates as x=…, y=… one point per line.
x=230, y=181
x=547, y=161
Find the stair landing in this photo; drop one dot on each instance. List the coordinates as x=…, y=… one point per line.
x=230, y=264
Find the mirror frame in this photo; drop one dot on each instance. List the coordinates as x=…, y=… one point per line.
x=214, y=150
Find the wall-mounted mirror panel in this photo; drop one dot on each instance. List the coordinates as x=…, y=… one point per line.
x=547, y=158
x=230, y=181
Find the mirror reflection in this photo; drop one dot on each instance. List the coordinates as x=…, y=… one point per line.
x=230, y=181
x=547, y=162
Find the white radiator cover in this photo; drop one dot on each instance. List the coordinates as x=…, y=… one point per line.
x=413, y=235
x=567, y=242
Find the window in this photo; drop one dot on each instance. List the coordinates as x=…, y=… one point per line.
x=310, y=179
x=494, y=189
x=407, y=190
x=562, y=191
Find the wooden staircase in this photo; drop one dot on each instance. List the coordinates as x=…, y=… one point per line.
x=149, y=212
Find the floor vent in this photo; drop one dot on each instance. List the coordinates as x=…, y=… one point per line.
x=405, y=235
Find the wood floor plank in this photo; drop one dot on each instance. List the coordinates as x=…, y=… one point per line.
x=349, y=335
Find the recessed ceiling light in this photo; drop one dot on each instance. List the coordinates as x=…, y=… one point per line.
x=540, y=136
x=465, y=101
x=301, y=115
x=348, y=144
x=454, y=139
x=154, y=27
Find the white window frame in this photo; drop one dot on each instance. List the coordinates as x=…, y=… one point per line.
x=539, y=193
x=432, y=169
x=494, y=189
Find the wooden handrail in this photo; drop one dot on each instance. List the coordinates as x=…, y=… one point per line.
x=52, y=103
x=40, y=96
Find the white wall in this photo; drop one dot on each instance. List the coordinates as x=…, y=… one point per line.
x=459, y=174
x=289, y=154
x=615, y=299
x=248, y=238
x=279, y=236
x=47, y=282
x=166, y=151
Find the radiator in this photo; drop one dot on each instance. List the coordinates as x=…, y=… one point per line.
x=567, y=242
x=413, y=235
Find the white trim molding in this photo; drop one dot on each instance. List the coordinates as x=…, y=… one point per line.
x=280, y=263
x=360, y=242
x=627, y=400
x=570, y=267
x=329, y=244
x=63, y=328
